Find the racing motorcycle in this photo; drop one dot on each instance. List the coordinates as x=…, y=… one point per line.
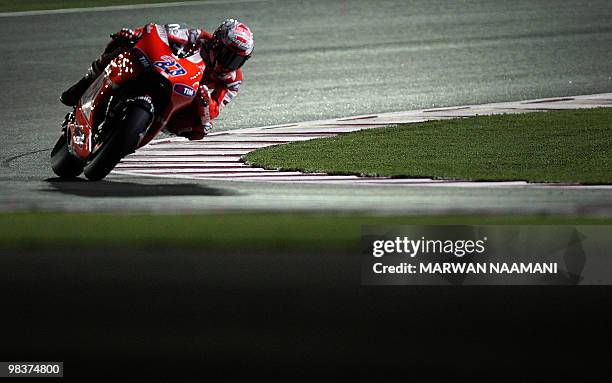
x=126, y=106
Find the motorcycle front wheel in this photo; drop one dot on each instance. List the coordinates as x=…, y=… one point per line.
x=122, y=141
x=63, y=163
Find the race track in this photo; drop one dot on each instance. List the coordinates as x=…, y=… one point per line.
x=324, y=60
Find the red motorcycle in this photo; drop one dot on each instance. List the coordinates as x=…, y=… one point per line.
x=126, y=106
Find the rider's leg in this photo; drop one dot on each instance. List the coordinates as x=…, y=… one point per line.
x=188, y=123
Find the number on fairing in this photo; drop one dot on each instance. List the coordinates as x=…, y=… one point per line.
x=170, y=66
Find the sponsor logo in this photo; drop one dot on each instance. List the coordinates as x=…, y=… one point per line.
x=184, y=90
x=142, y=58
x=78, y=136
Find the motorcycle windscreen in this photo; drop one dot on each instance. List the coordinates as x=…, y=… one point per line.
x=88, y=98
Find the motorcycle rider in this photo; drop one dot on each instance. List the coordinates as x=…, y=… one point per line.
x=223, y=52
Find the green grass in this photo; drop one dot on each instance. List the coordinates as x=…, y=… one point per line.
x=236, y=231
x=556, y=146
x=30, y=5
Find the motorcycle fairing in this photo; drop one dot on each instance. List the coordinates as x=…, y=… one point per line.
x=151, y=53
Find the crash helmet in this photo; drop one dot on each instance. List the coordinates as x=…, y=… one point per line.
x=233, y=44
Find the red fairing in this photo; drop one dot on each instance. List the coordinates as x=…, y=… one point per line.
x=184, y=74
x=91, y=108
x=152, y=52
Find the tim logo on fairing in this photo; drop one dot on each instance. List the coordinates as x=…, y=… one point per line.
x=184, y=90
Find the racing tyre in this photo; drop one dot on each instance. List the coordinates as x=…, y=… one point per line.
x=63, y=163
x=122, y=141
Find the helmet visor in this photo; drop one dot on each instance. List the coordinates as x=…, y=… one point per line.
x=229, y=59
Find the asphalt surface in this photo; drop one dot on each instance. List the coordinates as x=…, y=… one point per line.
x=317, y=60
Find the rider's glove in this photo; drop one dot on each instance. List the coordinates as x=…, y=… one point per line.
x=203, y=95
x=125, y=34
x=202, y=104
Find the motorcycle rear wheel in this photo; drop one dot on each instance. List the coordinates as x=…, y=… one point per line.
x=63, y=163
x=122, y=141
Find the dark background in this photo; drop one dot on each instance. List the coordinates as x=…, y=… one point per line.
x=188, y=312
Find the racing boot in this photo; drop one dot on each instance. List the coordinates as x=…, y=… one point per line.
x=71, y=96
